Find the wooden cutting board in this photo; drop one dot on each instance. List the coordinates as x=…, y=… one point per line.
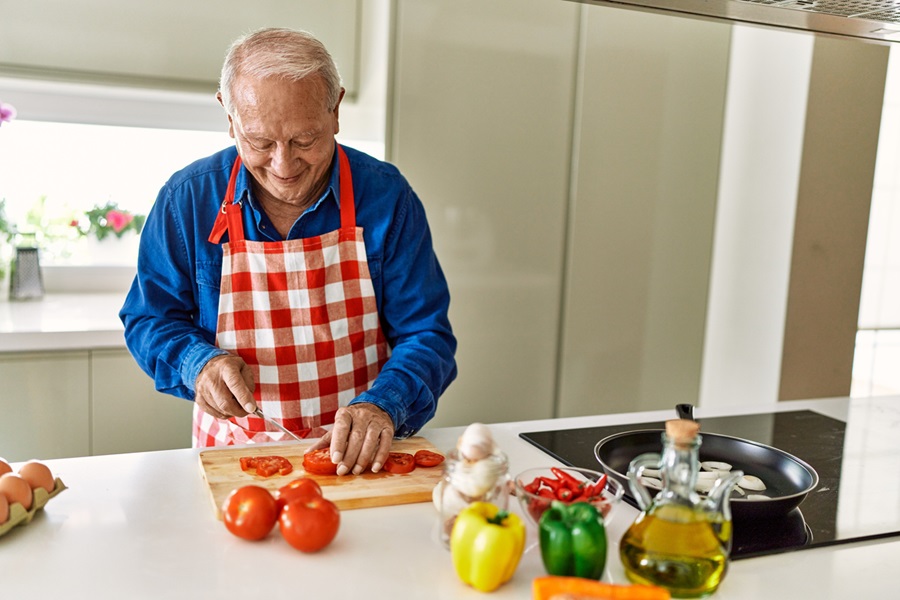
x=222, y=473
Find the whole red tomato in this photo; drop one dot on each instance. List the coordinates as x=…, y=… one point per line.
x=309, y=525
x=302, y=488
x=250, y=512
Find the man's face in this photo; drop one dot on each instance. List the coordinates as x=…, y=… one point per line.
x=284, y=133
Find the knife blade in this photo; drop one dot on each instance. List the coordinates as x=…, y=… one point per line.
x=260, y=414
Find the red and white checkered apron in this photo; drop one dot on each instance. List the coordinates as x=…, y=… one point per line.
x=302, y=315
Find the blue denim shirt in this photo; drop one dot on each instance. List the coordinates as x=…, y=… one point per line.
x=171, y=311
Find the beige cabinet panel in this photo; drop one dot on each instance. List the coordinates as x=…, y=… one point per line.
x=481, y=126
x=164, y=43
x=642, y=220
x=44, y=406
x=128, y=414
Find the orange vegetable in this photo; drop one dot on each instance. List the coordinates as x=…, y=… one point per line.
x=551, y=586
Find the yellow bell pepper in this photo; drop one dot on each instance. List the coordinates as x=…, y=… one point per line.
x=486, y=544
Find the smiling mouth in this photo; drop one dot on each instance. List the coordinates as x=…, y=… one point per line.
x=292, y=179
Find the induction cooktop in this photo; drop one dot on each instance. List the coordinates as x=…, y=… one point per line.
x=808, y=435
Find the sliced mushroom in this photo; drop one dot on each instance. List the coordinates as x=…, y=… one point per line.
x=751, y=482
x=714, y=465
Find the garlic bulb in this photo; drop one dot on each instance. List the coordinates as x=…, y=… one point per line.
x=475, y=443
x=476, y=479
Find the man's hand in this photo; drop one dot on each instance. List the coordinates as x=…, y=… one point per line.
x=361, y=436
x=224, y=387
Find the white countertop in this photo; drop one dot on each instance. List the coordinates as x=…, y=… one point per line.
x=141, y=526
x=62, y=322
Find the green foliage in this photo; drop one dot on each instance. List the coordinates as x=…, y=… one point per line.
x=7, y=230
x=109, y=219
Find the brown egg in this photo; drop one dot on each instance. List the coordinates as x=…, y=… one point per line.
x=4, y=467
x=16, y=490
x=4, y=509
x=37, y=474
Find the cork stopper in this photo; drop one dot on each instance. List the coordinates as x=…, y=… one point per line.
x=682, y=432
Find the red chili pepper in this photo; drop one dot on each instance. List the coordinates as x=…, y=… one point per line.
x=564, y=494
x=578, y=493
x=596, y=489
x=546, y=493
x=534, y=486
x=551, y=483
x=568, y=480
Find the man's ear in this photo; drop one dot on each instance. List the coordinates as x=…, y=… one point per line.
x=230, y=121
x=336, y=113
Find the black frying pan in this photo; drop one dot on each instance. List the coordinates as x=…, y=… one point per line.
x=788, y=479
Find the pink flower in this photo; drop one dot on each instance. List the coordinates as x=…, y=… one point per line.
x=7, y=112
x=118, y=220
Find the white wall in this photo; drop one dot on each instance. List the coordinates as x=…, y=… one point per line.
x=761, y=150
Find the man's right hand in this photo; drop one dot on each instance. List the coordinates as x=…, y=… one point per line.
x=224, y=387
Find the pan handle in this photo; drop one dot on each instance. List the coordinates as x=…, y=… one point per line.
x=685, y=411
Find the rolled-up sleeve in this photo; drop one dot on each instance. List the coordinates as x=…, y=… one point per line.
x=161, y=311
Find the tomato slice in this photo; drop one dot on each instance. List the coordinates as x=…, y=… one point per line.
x=319, y=462
x=427, y=458
x=400, y=462
x=266, y=466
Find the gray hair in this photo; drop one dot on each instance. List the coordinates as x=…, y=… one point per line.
x=277, y=52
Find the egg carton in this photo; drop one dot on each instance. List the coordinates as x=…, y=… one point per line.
x=19, y=516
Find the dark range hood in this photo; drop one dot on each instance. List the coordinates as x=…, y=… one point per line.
x=870, y=20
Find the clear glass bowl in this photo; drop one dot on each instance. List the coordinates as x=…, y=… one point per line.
x=534, y=505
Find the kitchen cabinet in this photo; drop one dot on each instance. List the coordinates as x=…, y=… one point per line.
x=128, y=414
x=80, y=403
x=481, y=126
x=569, y=171
x=45, y=405
x=613, y=197
x=163, y=44
x=647, y=145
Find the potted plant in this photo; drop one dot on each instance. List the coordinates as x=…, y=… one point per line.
x=108, y=220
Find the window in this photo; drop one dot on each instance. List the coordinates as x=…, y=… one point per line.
x=54, y=172
x=877, y=353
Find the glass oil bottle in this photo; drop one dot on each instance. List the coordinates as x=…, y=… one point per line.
x=680, y=541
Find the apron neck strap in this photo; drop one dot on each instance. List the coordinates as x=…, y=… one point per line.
x=229, y=217
x=348, y=202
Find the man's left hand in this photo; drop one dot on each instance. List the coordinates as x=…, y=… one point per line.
x=361, y=436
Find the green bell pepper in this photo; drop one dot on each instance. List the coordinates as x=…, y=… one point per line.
x=573, y=540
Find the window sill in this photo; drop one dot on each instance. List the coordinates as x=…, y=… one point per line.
x=84, y=279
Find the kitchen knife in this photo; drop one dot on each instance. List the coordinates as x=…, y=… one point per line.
x=259, y=414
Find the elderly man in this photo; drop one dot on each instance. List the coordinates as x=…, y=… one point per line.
x=292, y=274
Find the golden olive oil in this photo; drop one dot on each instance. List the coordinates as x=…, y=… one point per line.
x=678, y=548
